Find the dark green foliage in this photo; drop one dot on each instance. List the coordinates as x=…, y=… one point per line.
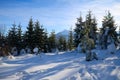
x=87, y=27
x=12, y=36
x=19, y=38
x=2, y=38
x=38, y=35
x=30, y=34
x=62, y=43
x=78, y=31
x=52, y=41
x=70, y=40
x=91, y=24
x=108, y=30
x=46, y=41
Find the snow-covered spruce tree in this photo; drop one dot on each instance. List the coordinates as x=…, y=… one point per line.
x=91, y=24
x=108, y=31
x=78, y=34
x=30, y=34
x=83, y=28
x=87, y=44
x=70, y=40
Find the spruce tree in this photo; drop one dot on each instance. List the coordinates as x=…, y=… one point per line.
x=30, y=34
x=19, y=38
x=12, y=36
x=70, y=40
x=78, y=34
x=61, y=43
x=85, y=30
x=52, y=41
x=39, y=35
x=91, y=24
x=108, y=30
x=46, y=41
x=2, y=37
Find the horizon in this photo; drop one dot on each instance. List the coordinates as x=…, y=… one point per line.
x=55, y=15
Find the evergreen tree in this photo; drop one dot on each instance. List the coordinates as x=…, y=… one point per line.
x=46, y=41
x=12, y=36
x=87, y=27
x=70, y=40
x=85, y=30
x=62, y=43
x=39, y=35
x=52, y=41
x=2, y=37
x=78, y=31
x=91, y=24
x=108, y=30
x=30, y=34
x=19, y=38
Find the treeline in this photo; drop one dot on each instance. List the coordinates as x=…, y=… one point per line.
x=85, y=33
x=35, y=36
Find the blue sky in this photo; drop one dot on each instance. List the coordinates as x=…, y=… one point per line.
x=55, y=14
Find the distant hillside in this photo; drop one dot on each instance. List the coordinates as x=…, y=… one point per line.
x=64, y=33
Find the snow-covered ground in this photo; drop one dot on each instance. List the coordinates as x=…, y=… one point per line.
x=62, y=66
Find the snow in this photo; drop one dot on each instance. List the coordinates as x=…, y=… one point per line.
x=22, y=52
x=111, y=48
x=61, y=66
x=35, y=50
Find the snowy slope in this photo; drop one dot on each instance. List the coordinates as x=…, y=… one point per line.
x=64, y=33
x=62, y=66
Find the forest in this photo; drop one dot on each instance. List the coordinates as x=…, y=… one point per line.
x=86, y=34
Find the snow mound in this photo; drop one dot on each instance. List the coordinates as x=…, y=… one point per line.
x=10, y=57
x=111, y=48
x=3, y=64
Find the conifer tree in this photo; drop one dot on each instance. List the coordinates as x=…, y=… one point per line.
x=2, y=36
x=52, y=41
x=12, y=36
x=108, y=29
x=19, y=38
x=70, y=40
x=62, y=44
x=37, y=35
x=30, y=34
x=91, y=24
x=46, y=41
x=78, y=31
